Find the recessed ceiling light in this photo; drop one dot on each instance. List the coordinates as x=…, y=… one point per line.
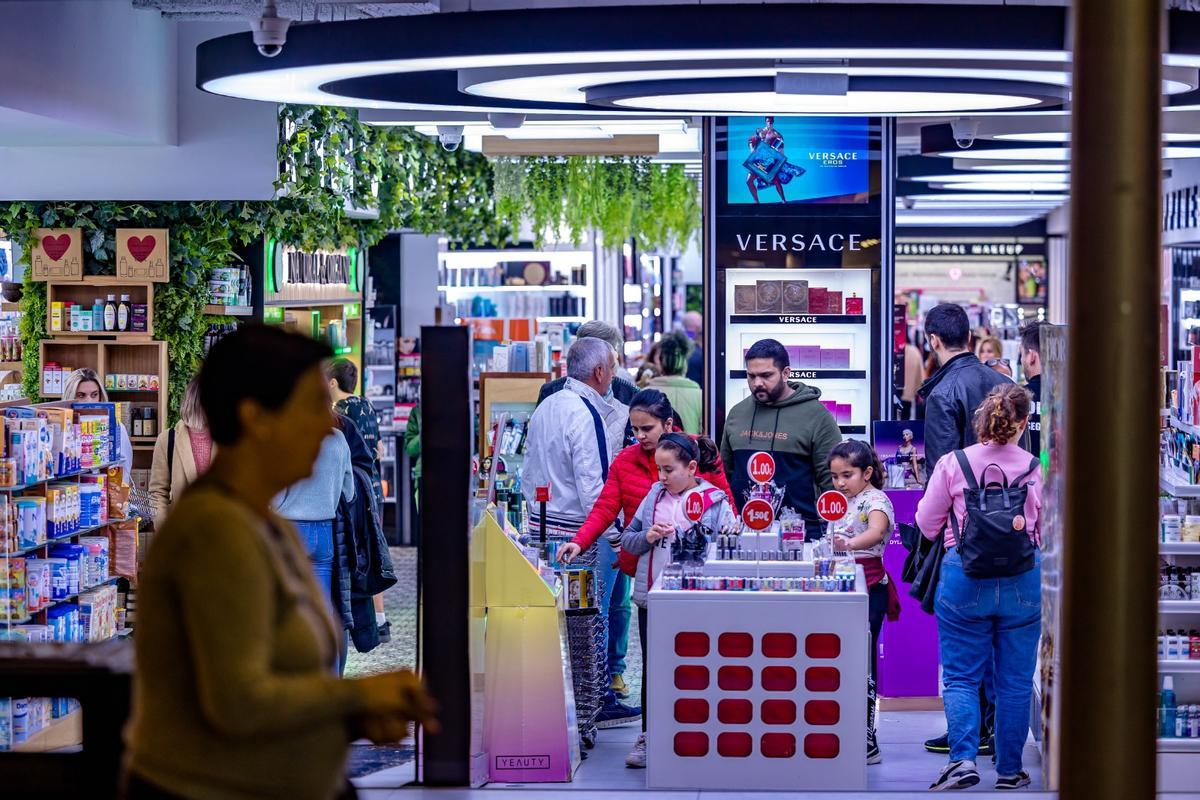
x=1048, y=153
x=1048, y=167
x=985, y=177
x=1000, y=186
x=1065, y=136
x=986, y=197
x=853, y=103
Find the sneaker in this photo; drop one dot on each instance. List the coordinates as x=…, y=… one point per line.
x=619, y=687
x=987, y=746
x=873, y=754
x=939, y=744
x=1009, y=782
x=956, y=775
x=617, y=714
x=637, y=756
x=385, y=632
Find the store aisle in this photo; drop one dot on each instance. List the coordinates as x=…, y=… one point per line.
x=400, y=603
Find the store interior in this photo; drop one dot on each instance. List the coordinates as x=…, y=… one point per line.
x=444, y=200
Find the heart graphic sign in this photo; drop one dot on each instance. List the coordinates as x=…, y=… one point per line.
x=141, y=248
x=56, y=246
x=143, y=254
x=57, y=254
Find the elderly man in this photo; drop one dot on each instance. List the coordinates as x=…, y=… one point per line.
x=574, y=434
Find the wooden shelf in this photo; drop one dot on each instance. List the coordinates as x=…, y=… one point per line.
x=341, y=301
x=12, y=365
x=229, y=311
x=7, y=306
x=60, y=733
x=111, y=337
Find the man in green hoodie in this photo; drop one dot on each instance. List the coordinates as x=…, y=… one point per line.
x=786, y=419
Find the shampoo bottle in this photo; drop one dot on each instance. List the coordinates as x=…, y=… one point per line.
x=110, y=313
x=123, y=313
x=1167, y=704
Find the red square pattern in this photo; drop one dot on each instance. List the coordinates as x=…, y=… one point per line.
x=691, y=710
x=734, y=745
x=691, y=744
x=691, y=644
x=778, y=679
x=779, y=645
x=822, y=712
x=735, y=679
x=778, y=745
x=735, y=645
x=778, y=712
x=735, y=712
x=691, y=677
x=822, y=645
x=822, y=745
x=822, y=679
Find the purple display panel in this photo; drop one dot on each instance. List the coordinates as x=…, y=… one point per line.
x=830, y=406
x=911, y=641
x=828, y=359
x=843, y=413
x=839, y=359
x=810, y=357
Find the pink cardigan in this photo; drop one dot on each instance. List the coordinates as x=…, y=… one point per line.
x=947, y=484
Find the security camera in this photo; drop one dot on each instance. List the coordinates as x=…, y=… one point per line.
x=450, y=136
x=965, y=131
x=270, y=30
x=505, y=121
x=909, y=202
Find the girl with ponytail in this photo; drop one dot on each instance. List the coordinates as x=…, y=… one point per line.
x=684, y=393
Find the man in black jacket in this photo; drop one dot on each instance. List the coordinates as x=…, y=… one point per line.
x=622, y=388
x=952, y=394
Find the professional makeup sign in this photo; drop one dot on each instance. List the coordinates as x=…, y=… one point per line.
x=298, y=276
x=57, y=254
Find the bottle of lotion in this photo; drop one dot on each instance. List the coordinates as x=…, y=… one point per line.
x=110, y=313
x=123, y=313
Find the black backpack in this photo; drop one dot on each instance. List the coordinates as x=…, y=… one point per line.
x=994, y=542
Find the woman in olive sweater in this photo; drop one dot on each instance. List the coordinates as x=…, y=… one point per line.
x=234, y=697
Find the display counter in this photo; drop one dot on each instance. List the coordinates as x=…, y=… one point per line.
x=757, y=690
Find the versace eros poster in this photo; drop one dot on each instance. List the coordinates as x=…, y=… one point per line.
x=783, y=160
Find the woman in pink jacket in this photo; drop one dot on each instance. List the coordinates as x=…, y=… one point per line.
x=986, y=620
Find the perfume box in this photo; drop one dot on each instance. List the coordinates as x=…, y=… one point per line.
x=809, y=357
x=833, y=305
x=831, y=407
x=795, y=297
x=793, y=352
x=854, y=304
x=835, y=359
x=818, y=300
x=770, y=297
x=745, y=299
x=842, y=415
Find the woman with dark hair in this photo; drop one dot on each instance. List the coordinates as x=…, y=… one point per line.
x=684, y=393
x=234, y=696
x=986, y=620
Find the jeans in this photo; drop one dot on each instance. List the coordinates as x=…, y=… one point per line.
x=619, y=615
x=606, y=574
x=643, y=622
x=984, y=621
x=317, y=536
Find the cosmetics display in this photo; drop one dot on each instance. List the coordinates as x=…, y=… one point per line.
x=1178, y=582
x=229, y=286
x=112, y=316
x=1179, y=645
x=542, y=304
x=824, y=319
x=512, y=273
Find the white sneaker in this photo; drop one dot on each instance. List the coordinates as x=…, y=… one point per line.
x=637, y=756
x=956, y=775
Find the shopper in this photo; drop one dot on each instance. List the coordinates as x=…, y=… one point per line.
x=996, y=617
x=632, y=474
x=84, y=386
x=952, y=395
x=311, y=506
x=990, y=348
x=234, y=697
x=181, y=454
x=649, y=369
x=412, y=446
x=787, y=419
x=621, y=388
x=693, y=326
x=654, y=526
x=572, y=438
x=864, y=532
x=1031, y=366
x=684, y=393
x=342, y=374
x=914, y=375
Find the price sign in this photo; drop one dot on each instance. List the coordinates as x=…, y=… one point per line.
x=542, y=494
x=761, y=467
x=693, y=506
x=832, y=506
x=758, y=515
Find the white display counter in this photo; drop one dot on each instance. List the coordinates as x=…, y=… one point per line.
x=757, y=690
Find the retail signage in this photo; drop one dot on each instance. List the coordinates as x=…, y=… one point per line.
x=832, y=506
x=761, y=467
x=57, y=254
x=299, y=275
x=788, y=160
x=966, y=247
x=758, y=515
x=693, y=506
x=143, y=254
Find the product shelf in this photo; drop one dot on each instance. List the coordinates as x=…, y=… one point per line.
x=1179, y=745
x=11, y=366
x=1183, y=426
x=63, y=477
x=546, y=287
x=228, y=311
x=798, y=319
x=1179, y=606
x=1179, y=548
x=1175, y=485
x=60, y=733
x=75, y=596
x=1178, y=666
x=799, y=373
x=64, y=537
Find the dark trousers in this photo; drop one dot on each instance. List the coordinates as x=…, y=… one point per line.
x=877, y=603
x=643, y=618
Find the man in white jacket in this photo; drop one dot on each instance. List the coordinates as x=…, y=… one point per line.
x=573, y=437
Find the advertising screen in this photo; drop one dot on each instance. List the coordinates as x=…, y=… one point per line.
x=791, y=160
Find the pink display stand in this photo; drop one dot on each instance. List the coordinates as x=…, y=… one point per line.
x=908, y=648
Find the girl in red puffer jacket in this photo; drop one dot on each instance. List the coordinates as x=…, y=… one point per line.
x=630, y=477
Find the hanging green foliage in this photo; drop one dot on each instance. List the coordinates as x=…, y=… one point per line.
x=656, y=204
